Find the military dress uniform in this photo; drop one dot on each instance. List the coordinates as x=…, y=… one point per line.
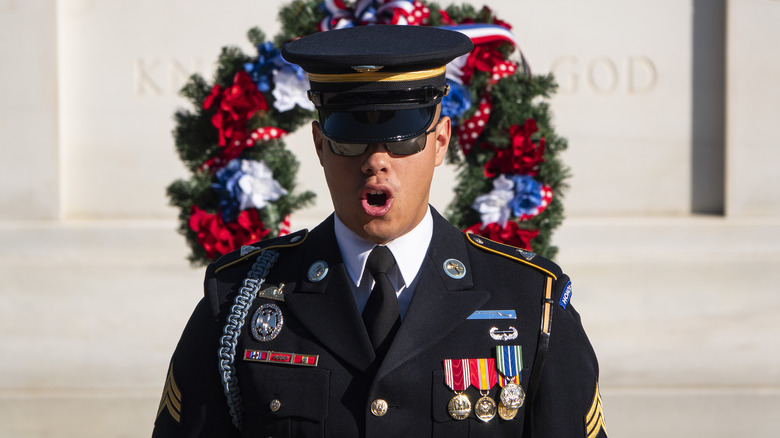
x=323, y=382
x=278, y=348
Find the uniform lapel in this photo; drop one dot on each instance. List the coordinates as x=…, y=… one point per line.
x=327, y=307
x=440, y=303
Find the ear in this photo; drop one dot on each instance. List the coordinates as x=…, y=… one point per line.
x=316, y=134
x=442, y=143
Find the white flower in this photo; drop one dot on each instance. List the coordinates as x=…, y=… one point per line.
x=494, y=206
x=257, y=185
x=290, y=89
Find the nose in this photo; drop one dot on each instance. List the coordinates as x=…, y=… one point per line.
x=375, y=159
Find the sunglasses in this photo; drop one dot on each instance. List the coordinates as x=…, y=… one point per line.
x=409, y=146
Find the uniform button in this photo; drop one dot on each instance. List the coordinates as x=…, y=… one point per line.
x=275, y=405
x=379, y=407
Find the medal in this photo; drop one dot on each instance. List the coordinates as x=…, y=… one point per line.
x=483, y=377
x=458, y=378
x=509, y=362
x=459, y=407
x=485, y=409
x=506, y=413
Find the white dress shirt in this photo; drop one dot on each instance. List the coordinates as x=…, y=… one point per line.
x=409, y=251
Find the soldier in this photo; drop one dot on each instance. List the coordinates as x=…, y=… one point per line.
x=384, y=320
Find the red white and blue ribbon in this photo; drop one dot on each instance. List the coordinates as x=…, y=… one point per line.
x=484, y=33
x=339, y=15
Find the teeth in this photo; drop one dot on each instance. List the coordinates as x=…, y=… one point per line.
x=376, y=192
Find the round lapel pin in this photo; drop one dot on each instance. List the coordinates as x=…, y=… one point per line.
x=454, y=268
x=317, y=271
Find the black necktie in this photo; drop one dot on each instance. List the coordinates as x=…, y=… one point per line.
x=381, y=315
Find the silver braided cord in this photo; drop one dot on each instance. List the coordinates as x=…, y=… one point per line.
x=235, y=320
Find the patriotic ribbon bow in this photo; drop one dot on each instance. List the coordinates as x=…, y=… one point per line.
x=339, y=15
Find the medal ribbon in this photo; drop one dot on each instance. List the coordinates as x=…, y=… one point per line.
x=509, y=361
x=456, y=374
x=483, y=373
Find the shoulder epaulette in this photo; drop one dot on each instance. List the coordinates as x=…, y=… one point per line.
x=518, y=254
x=247, y=251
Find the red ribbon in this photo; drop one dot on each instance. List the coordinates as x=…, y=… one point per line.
x=456, y=374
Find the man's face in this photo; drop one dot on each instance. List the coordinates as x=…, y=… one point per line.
x=378, y=195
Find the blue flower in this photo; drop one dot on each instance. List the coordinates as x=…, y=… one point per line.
x=261, y=71
x=528, y=195
x=457, y=102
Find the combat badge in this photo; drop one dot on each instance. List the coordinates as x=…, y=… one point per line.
x=503, y=335
x=267, y=322
x=458, y=378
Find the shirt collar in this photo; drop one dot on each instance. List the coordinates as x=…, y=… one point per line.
x=409, y=250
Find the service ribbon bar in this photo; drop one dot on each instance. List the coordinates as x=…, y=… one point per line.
x=483, y=373
x=309, y=360
x=509, y=362
x=456, y=374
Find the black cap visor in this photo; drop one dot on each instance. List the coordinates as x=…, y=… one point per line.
x=381, y=126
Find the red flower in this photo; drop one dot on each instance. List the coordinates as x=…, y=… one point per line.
x=483, y=58
x=522, y=158
x=235, y=105
x=511, y=234
x=218, y=237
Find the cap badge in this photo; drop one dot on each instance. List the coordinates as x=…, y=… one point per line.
x=455, y=268
x=317, y=271
x=267, y=322
x=367, y=68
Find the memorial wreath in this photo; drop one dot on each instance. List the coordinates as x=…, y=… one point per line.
x=242, y=183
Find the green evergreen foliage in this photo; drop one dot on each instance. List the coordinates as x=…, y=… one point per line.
x=515, y=99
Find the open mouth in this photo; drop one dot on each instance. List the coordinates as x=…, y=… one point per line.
x=376, y=198
x=377, y=202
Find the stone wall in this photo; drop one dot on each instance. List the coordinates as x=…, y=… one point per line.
x=672, y=236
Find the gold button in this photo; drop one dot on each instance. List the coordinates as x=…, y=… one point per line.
x=379, y=407
x=275, y=405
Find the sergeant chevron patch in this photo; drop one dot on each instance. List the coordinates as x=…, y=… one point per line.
x=594, y=419
x=171, y=397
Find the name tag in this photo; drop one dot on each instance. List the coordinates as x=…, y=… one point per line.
x=493, y=314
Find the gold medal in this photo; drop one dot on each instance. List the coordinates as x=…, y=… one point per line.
x=505, y=412
x=459, y=407
x=512, y=396
x=485, y=409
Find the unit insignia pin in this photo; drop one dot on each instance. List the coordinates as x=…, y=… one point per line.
x=273, y=292
x=503, y=335
x=528, y=255
x=454, y=268
x=458, y=378
x=267, y=322
x=317, y=271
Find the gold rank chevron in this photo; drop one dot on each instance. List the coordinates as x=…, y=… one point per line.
x=171, y=397
x=594, y=419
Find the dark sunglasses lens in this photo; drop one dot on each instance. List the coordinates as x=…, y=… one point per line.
x=347, y=149
x=403, y=147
